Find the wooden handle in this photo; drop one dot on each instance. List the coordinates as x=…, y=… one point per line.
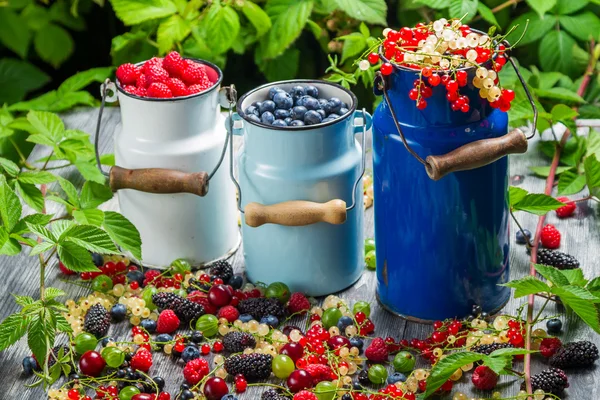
x=296, y=213
x=476, y=154
x=159, y=180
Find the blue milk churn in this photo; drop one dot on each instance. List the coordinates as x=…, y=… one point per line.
x=301, y=195
x=442, y=241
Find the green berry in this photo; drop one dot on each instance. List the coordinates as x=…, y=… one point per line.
x=113, y=356
x=128, y=392
x=330, y=317
x=369, y=245
x=283, y=366
x=325, y=390
x=377, y=374
x=278, y=290
x=181, y=293
x=147, y=296
x=370, y=260
x=181, y=266
x=404, y=362
x=362, y=306
x=102, y=283
x=208, y=324
x=85, y=342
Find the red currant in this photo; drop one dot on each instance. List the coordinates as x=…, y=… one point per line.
x=426, y=72
x=451, y=96
x=241, y=385
x=217, y=346
x=386, y=68
x=405, y=33
x=452, y=86
x=373, y=58
x=205, y=349
x=464, y=108
x=134, y=285
x=508, y=95
x=393, y=36
x=434, y=79
x=413, y=94
x=73, y=394
x=360, y=317
x=421, y=104
x=427, y=92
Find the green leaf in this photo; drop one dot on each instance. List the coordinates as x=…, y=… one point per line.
x=90, y=237
x=10, y=206
x=575, y=276
x=545, y=171
x=94, y=194
x=555, y=53
x=36, y=337
x=444, y=368
x=257, y=17
x=289, y=18
x=133, y=12
x=8, y=246
x=31, y=195
x=131, y=47
x=436, y=4
x=526, y=286
x=282, y=68
x=60, y=226
x=371, y=11
x=564, y=7
x=52, y=293
x=510, y=352
x=17, y=78
x=589, y=111
x=583, y=26
x=172, y=30
x=460, y=8
x=537, y=203
x=14, y=33
x=12, y=329
x=41, y=248
x=497, y=364
x=82, y=79
x=538, y=28
x=592, y=174
x=36, y=177
x=571, y=182
x=23, y=300
x=123, y=232
x=75, y=257
x=582, y=302
x=62, y=325
x=354, y=44
x=552, y=274
x=559, y=93
x=42, y=232
x=90, y=171
x=35, y=219
x=90, y=216
x=223, y=26
x=516, y=194
x=562, y=112
x=9, y=167
x=53, y=44
x=70, y=191
x=593, y=146
x=541, y=6
x=107, y=159
x=487, y=14
x=47, y=124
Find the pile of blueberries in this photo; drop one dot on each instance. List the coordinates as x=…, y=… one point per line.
x=301, y=106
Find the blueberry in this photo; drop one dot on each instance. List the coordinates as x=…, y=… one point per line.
x=311, y=91
x=343, y=110
x=267, y=118
x=282, y=113
x=270, y=320
x=344, y=322
x=105, y=341
x=311, y=103
x=97, y=259
x=335, y=104
x=267, y=105
x=312, y=118
x=186, y=394
x=149, y=325
x=137, y=276
x=252, y=110
x=236, y=281
x=160, y=382
x=322, y=102
x=279, y=122
x=256, y=104
x=190, y=353
x=163, y=338
x=29, y=365
x=344, y=105
x=288, y=121
x=184, y=386
x=328, y=119
x=396, y=377
x=297, y=91
x=118, y=312
x=554, y=325
x=254, y=118
x=297, y=122
x=229, y=397
x=274, y=90
x=333, y=116
x=283, y=100
x=521, y=238
x=298, y=112
x=356, y=342
x=196, y=337
x=322, y=113
x=245, y=317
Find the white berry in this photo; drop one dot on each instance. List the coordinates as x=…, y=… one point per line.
x=364, y=65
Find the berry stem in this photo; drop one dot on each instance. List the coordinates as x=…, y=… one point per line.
x=527, y=239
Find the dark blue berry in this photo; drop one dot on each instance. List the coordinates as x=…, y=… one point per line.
x=163, y=338
x=118, y=312
x=149, y=325
x=297, y=122
x=279, y=122
x=252, y=110
x=197, y=337
x=328, y=119
x=322, y=103
x=254, y=118
x=281, y=113
x=283, y=100
x=311, y=103
x=554, y=325
x=521, y=238
x=344, y=322
x=322, y=113
x=312, y=118
x=257, y=104
x=29, y=365
x=97, y=259
x=333, y=116
x=356, y=342
x=298, y=112
x=270, y=320
x=137, y=276
x=267, y=118
x=236, y=281
x=229, y=397
x=396, y=377
x=105, y=341
x=297, y=91
x=335, y=105
x=311, y=91
x=190, y=353
x=343, y=111
x=274, y=90
x=160, y=382
x=288, y=121
x=267, y=106
x=245, y=317
x=186, y=395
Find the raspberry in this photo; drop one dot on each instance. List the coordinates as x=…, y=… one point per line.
x=194, y=74
x=157, y=74
x=142, y=82
x=298, y=303
x=193, y=89
x=174, y=64
x=127, y=74
x=142, y=360
x=484, y=378
x=159, y=90
x=202, y=298
x=566, y=211
x=377, y=351
x=305, y=395
x=319, y=372
x=195, y=370
x=167, y=322
x=550, y=346
x=177, y=87
x=230, y=313
x=550, y=237
x=154, y=61
x=64, y=269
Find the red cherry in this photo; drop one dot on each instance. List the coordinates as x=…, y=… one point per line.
x=215, y=388
x=434, y=79
x=299, y=380
x=405, y=33
x=373, y=58
x=91, y=363
x=387, y=69
x=335, y=342
x=294, y=350
x=220, y=295
x=413, y=94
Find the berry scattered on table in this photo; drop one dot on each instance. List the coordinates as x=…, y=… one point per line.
x=221, y=269
x=195, y=370
x=298, y=303
x=554, y=325
x=575, y=354
x=557, y=259
x=484, y=378
x=185, y=309
x=261, y=307
x=142, y=360
x=523, y=236
x=551, y=380
x=97, y=321
x=237, y=342
x=488, y=349
x=566, y=210
x=252, y=366
x=550, y=237
x=167, y=322
x=549, y=346
x=91, y=363
x=377, y=351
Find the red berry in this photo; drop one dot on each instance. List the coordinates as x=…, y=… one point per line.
x=377, y=351
x=127, y=74
x=142, y=360
x=220, y=295
x=215, y=388
x=154, y=61
x=241, y=385
x=567, y=210
x=134, y=285
x=484, y=378
x=167, y=322
x=159, y=90
x=298, y=303
x=299, y=380
x=73, y=394
x=360, y=317
x=426, y=92
x=508, y=95
x=218, y=346
x=373, y=58
x=406, y=33
x=413, y=94
x=193, y=89
x=230, y=313
x=550, y=237
x=426, y=72
x=156, y=74
x=434, y=79
x=305, y=395
x=195, y=370
x=451, y=86
x=464, y=108
x=393, y=36
x=174, y=64
x=549, y=346
x=386, y=68
x=177, y=87
x=164, y=396
x=205, y=349
x=194, y=74
x=421, y=104
x=437, y=325
x=293, y=350
x=91, y=363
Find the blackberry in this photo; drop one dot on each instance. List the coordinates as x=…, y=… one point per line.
x=272, y=394
x=253, y=366
x=575, y=354
x=97, y=321
x=53, y=355
x=488, y=349
x=185, y=309
x=221, y=269
x=557, y=259
x=261, y=307
x=236, y=342
x=551, y=380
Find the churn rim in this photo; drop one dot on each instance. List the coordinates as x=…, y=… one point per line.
x=351, y=109
x=179, y=98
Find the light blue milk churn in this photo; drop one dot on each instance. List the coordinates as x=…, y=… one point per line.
x=441, y=202
x=301, y=196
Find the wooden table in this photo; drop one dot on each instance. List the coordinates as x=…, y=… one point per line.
x=581, y=238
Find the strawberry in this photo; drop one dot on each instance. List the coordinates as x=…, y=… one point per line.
x=549, y=346
x=377, y=351
x=565, y=211
x=159, y=90
x=177, y=87
x=127, y=74
x=167, y=322
x=298, y=303
x=550, y=237
x=157, y=74
x=484, y=378
x=174, y=64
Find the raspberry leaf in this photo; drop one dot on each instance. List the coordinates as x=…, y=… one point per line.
x=91, y=238
x=592, y=174
x=445, y=367
x=82, y=79
x=571, y=182
x=582, y=302
x=465, y=9
x=30, y=195
x=123, y=232
x=555, y=276
x=289, y=18
x=94, y=194
x=537, y=203
x=527, y=285
x=133, y=12
x=487, y=14
x=172, y=30
x=75, y=257
x=541, y=6
x=257, y=17
x=371, y=11
x=89, y=216
x=12, y=329
x=516, y=194
x=10, y=206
